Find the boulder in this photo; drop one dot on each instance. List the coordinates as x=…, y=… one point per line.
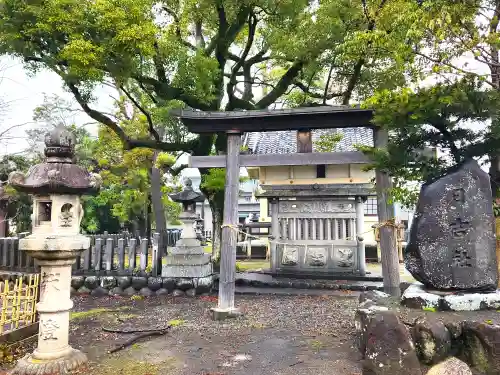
x=203, y=284
x=154, y=283
x=481, y=345
x=91, y=282
x=162, y=292
x=191, y=293
x=185, y=284
x=362, y=319
x=99, y=292
x=169, y=283
x=378, y=297
x=452, y=239
x=124, y=282
x=130, y=291
x=389, y=349
x=77, y=282
x=432, y=340
x=108, y=282
x=178, y=293
x=116, y=291
x=83, y=290
x=139, y=282
x=452, y=366
x=146, y=292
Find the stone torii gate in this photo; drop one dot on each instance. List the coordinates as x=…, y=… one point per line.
x=303, y=120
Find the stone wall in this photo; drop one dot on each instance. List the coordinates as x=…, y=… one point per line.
x=391, y=346
x=139, y=285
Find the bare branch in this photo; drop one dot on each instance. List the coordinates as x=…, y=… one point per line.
x=151, y=127
x=306, y=89
x=127, y=142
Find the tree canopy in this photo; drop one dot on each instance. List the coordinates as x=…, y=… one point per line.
x=433, y=129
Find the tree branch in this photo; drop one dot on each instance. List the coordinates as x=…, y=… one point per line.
x=178, y=28
x=198, y=34
x=450, y=65
x=168, y=92
x=325, y=96
x=316, y=95
x=352, y=81
x=252, y=26
x=285, y=81
x=151, y=127
x=128, y=143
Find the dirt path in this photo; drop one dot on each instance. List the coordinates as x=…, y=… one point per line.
x=276, y=335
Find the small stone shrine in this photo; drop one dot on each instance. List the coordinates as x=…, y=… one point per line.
x=187, y=263
x=56, y=186
x=452, y=244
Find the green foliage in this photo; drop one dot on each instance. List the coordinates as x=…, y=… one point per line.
x=19, y=205
x=428, y=119
x=328, y=142
x=165, y=160
x=290, y=52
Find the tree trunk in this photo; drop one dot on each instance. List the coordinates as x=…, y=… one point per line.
x=157, y=203
x=217, y=206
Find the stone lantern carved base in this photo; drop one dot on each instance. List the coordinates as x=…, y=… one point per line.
x=30, y=365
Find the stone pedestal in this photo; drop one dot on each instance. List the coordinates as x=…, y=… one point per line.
x=55, y=255
x=187, y=260
x=419, y=297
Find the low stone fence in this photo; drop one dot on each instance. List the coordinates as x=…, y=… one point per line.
x=432, y=344
x=116, y=254
x=145, y=285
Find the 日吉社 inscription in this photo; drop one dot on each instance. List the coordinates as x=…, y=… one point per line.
x=452, y=240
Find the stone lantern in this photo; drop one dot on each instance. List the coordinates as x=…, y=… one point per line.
x=56, y=186
x=188, y=264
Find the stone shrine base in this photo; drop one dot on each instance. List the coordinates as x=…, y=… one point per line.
x=418, y=297
x=32, y=366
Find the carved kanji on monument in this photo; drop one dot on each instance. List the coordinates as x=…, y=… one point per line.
x=452, y=240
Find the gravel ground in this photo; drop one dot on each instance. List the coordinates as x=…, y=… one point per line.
x=275, y=335
x=281, y=335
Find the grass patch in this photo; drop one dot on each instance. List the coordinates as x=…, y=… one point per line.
x=127, y=366
x=74, y=315
x=316, y=345
x=176, y=322
x=249, y=265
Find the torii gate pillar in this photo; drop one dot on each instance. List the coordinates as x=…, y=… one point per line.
x=225, y=307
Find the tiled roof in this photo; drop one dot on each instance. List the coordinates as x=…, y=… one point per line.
x=285, y=142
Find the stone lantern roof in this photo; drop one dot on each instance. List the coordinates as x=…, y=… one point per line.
x=187, y=195
x=58, y=174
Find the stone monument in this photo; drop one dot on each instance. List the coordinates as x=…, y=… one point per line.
x=187, y=263
x=452, y=240
x=56, y=186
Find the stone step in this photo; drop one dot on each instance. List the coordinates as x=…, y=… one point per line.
x=248, y=290
x=261, y=281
